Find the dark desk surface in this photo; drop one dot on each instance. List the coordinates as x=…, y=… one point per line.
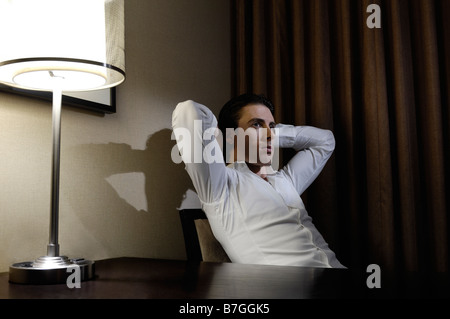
x=137, y=278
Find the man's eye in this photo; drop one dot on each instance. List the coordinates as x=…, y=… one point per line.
x=256, y=124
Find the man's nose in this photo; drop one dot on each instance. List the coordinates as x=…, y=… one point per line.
x=270, y=132
x=267, y=132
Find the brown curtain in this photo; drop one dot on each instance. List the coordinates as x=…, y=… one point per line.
x=385, y=93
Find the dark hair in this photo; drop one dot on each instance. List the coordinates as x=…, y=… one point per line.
x=230, y=112
x=229, y=115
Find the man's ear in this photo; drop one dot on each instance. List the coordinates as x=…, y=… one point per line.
x=230, y=137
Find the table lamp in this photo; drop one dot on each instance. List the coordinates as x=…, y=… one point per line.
x=60, y=46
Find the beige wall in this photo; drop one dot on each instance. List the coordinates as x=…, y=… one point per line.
x=119, y=188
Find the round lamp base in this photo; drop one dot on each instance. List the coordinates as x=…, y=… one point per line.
x=51, y=270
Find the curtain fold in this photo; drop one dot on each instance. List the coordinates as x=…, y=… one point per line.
x=384, y=92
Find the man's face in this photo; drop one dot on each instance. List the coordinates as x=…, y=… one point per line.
x=255, y=127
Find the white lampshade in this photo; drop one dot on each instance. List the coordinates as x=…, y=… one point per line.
x=80, y=41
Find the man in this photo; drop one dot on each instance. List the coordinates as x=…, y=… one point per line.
x=256, y=213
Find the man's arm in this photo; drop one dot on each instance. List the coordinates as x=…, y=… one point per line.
x=314, y=147
x=190, y=121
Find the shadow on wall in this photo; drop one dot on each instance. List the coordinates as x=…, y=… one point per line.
x=127, y=199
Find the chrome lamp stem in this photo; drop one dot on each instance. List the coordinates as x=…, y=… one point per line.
x=53, y=245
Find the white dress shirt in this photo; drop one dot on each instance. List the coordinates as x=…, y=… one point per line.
x=258, y=221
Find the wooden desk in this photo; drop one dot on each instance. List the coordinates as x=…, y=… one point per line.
x=137, y=278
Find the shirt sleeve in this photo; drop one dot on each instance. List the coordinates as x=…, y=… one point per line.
x=314, y=147
x=195, y=129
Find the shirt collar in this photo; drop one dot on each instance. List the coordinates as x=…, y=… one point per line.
x=242, y=167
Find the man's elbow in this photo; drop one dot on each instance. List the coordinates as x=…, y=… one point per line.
x=184, y=114
x=330, y=142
